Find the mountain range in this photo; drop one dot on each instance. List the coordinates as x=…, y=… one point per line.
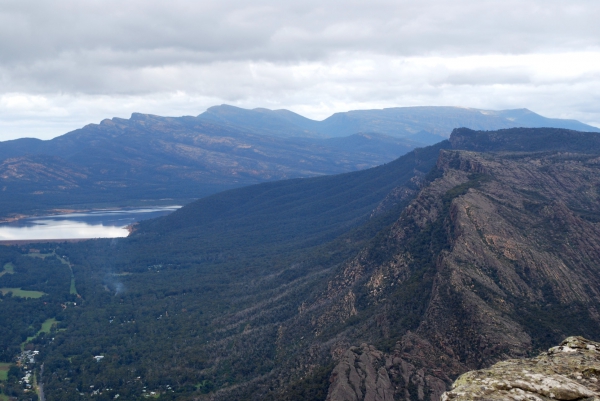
x=379, y=284
x=152, y=160
x=422, y=124
x=148, y=158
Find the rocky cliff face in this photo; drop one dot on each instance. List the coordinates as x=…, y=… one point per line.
x=495, y=258
x=569, y=371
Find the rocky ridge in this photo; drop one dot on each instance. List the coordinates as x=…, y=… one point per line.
x=492, y=260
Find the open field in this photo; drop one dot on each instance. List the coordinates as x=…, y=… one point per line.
x=17, y=292
x=46, y=326
x=73, y=289
x=39, y=255
x=4, y=370
x=9, y=268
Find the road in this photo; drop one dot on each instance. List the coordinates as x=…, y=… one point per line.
x=41, y=385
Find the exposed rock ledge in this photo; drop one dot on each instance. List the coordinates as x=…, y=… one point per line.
x=570, y=371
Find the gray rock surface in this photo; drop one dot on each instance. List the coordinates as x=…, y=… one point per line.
x=570, y=371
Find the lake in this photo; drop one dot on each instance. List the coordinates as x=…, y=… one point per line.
x=95, y=224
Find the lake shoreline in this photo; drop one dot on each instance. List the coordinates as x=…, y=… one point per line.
x=143, y=204
x=71, y=225
x=43, y=241
x=54, y=212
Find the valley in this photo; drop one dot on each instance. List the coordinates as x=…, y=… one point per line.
x=384, y=282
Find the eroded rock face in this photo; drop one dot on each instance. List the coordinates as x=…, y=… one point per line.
x=570, y=371
x=361, y=375
x=413, y=370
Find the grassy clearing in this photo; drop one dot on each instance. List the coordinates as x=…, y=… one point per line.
x=17, y=292
x=63, y=261
x=4, y=397
x=46, y=326
x=4, y=371
x=73, y=289
x=39, y=255
x=9, y=268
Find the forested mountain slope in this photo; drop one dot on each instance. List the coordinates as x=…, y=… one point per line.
x=379, y=284
x=291, y=214
x=264, y=247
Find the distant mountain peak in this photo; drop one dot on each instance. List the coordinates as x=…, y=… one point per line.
x=141, y=116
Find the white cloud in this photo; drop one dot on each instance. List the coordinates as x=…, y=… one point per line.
x=66, y=63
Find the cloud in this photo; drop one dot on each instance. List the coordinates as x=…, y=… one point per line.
x=66, y=63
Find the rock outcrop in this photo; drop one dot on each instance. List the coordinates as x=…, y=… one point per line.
x=570, y=371
x=361, y=375
x=411, y=371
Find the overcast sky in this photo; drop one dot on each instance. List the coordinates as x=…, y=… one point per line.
x=67, y=63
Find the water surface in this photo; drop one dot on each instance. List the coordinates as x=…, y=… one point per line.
x=96, y=224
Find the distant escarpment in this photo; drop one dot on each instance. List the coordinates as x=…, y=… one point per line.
x=570, y=371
